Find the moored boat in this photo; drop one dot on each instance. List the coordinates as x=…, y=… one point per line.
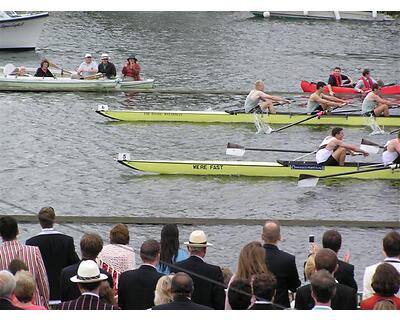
x=311, y=87
x=227, y=117
x=20, y=31
x=283, y=169
x=18, y=83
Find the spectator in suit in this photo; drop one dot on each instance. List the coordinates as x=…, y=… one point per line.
x=207, y=278
x=345, y=297
x=136, y=287
x=24, y=289
x=7, y=288
x=91, y=245
x=88, y=279
x=264, y=288
x=239, y=294
x=11, y=249
x=182, y=289
x=332, y=239
x=323, y=289
x=280, y=263
x=57, y=249
x=391, y=249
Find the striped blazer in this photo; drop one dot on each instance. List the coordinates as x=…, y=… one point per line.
x=11, y=250
x=86, y=302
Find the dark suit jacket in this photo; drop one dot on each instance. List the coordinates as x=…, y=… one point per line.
x=344, y=299
x=58, y=252
x=136, y=288
x=6, y=304
x=265, y=306
x=345, y=275
x=283, y=266
x=206, y=292
x=181, y=303
x=86, y=302
x=69, y=290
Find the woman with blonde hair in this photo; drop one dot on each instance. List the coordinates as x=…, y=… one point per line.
x=24, y=289
x=163, y=294
x=251, y=262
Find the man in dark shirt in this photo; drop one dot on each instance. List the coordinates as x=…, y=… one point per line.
x=106, y=67
x=337, y=79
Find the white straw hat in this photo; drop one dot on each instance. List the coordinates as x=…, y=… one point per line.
x=88, y=272
x=198, y=239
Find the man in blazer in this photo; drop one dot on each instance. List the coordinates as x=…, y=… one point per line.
x=264, y=289
x=57, y=249
x=345, y=272
x=88, y=279
x=181, y=289
x=136, y=287
x=280, y=263
x=345, y=297
x=91, y=244
x=207, y=278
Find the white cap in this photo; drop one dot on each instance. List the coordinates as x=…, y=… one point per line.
x=88, y=55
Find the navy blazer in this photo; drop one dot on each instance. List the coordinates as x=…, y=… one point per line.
x=181, y=303
x=345, y=275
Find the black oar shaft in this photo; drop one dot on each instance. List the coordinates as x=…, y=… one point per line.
x=355, y=172
x=394, y=131
x=294, y=123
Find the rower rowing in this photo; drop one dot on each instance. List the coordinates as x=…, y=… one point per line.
x=227, y=117
x=284, y=169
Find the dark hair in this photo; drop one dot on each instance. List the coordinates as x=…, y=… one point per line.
x=43, y=62
x=376, y=86
x=46, y=217
x=182, y=285
x=119, y=234
x=91, y=244
x=264, y=285
x=16, y=265
x=332, y=240
x=320, y=84
x=90, y=286
x=391, y=244
x=337, y=68
x=365, y=72
x=323, y=286
x=239, y=294
x=326, y=259
x=169, y=245
x=336, y=131
x=149, y=250
x=8, y=228
x=386, y=280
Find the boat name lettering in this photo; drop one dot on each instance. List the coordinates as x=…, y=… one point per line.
x=166, y=114
x=305, y=167
x=208, y=166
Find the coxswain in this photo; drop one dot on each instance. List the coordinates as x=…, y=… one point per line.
x=374, y=104
x=332, y=151
x=321, y=102
x=257, y=99
x=337, y=79
x=365, y=81
x=44, y=71
x=391, y=151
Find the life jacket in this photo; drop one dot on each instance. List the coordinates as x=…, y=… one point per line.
x=367, y=82
x=338, y=79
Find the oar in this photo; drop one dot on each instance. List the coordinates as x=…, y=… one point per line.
x=93, y=76
x=370, y=147
x=306, y=180
x=53, y=65
x=234, y=149
x=394, y=131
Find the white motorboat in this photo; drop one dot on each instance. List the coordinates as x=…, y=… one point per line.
x=20, y=31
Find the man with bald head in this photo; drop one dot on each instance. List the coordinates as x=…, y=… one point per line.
x=280, y=263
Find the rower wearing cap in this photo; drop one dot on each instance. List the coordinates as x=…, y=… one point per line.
x=373, y=104
x=321, y=102
x=332, y=151
x=106, y=67
x=391, y=151
x=131, y=70
x=87, y=68
x=258, y=99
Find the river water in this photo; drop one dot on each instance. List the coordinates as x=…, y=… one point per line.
x=57, y=151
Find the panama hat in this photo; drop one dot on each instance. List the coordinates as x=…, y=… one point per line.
x=198, y=239
x=88, y=55
x=88, y=272
x=104, y=56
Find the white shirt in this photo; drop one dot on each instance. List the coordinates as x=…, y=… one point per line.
x=87, y=69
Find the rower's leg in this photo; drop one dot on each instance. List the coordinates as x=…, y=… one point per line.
x=267, y=105
x=340, y=155
x=382, y=109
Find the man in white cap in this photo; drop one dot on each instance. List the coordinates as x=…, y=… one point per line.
x=87, y=68
x=207, y=278
x=88, y=279
x=107, y=68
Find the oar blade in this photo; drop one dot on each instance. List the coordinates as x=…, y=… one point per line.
x=370, y=149
x=307, y=180
x=370, y=143
x=235, y=150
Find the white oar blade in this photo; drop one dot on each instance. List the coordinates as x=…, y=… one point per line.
x=370, y=149
x=238, y=152
x=307, y=181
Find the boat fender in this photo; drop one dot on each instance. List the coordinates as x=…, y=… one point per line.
x=102, y=107
x=124, y=156
x=266, y=14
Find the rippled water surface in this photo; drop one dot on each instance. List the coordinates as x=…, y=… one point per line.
x=57, y=151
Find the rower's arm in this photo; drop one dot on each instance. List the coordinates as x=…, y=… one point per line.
x=381, y=100
x=265, y=97
x=328, y=102
x=330, y=89
x=334, y=99
x=352, y=148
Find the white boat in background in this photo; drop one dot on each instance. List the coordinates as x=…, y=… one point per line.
x=326, y=15
x=20, y=31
